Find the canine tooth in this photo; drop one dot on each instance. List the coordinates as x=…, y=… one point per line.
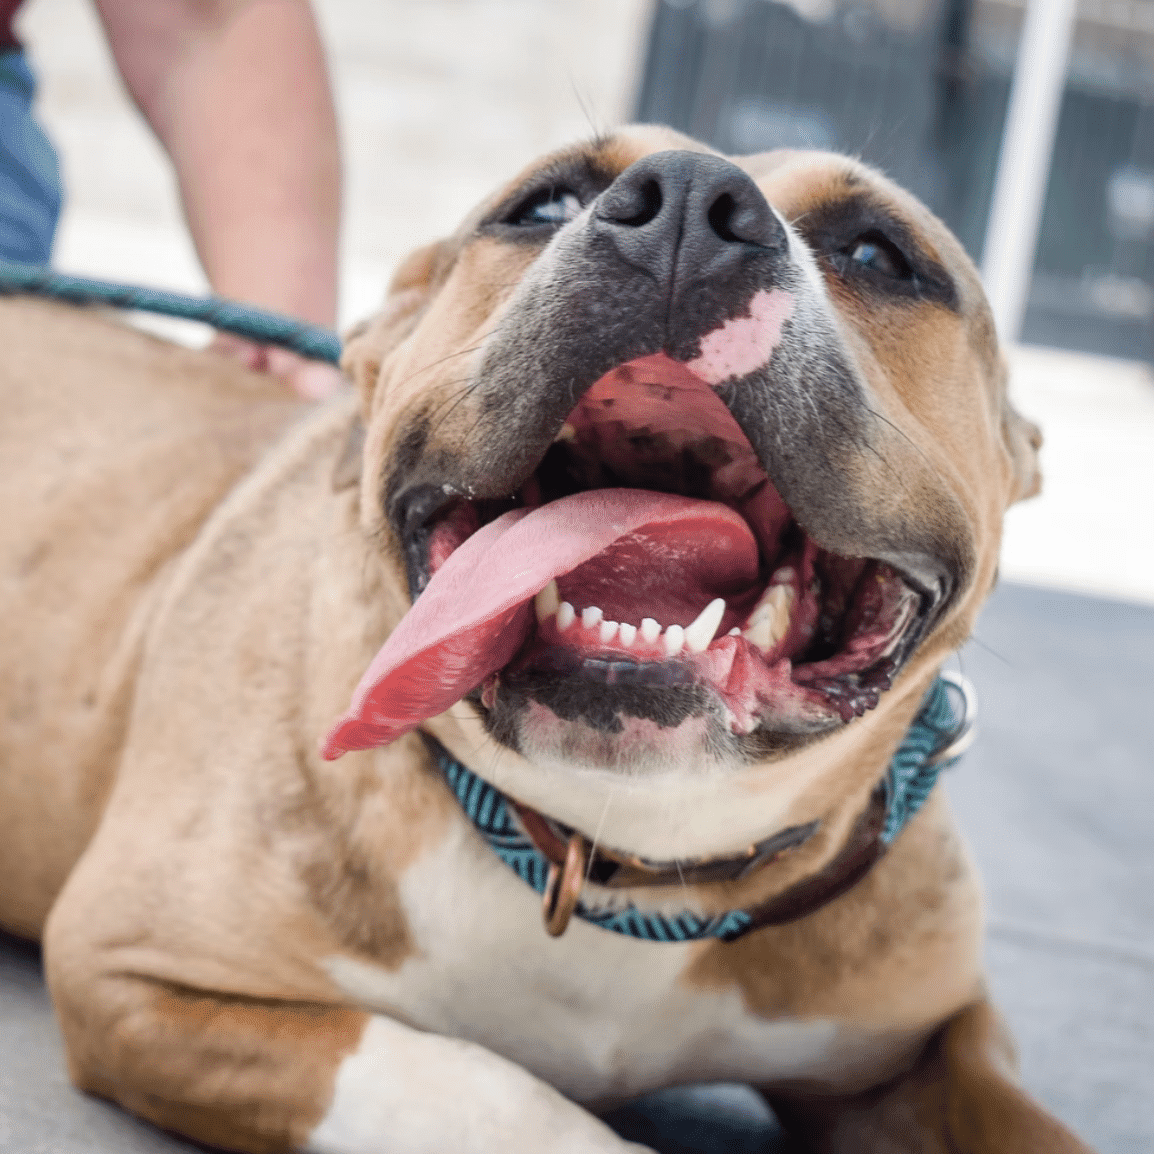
x=566, y=433
x=650, y=630
x=608, y=630
x=769, y=621
x=704, y=628
x=547, y=602
x=626, y=633
x=758, y=634
x=566, y=615
x=775, y=601
x=674, y=640
x=590, y=616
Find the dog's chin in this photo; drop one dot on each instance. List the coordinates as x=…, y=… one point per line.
x=636, y=747
x=581, y=720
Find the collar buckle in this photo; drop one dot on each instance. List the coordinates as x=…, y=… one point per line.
x=563, y=887
x=967, y=728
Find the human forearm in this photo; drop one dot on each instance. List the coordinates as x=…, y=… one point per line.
x=238, y=94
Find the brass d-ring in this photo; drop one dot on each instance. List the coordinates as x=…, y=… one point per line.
x=563, y=888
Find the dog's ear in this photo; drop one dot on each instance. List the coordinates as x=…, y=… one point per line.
x=369, y=342
x=1023, y=439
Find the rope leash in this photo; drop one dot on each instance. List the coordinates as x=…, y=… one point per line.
x=259, y=325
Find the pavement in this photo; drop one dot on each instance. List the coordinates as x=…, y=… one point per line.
x=442, y=99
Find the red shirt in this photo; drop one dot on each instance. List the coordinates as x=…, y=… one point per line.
x=8, y=9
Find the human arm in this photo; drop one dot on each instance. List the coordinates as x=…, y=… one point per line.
x=238, y=94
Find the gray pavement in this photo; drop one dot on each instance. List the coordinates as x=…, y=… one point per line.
x=1056, y=799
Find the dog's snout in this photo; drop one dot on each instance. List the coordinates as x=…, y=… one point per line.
x=686, y=200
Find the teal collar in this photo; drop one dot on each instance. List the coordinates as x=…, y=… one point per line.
x=557, y=861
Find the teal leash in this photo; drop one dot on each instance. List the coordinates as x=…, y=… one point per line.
x=254, y=324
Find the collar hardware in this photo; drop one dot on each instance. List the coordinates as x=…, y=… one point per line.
x=563, y=887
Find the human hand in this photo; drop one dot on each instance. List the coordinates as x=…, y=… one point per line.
x=310, y=380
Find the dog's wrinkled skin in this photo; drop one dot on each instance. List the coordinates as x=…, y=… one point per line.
x=264, y=950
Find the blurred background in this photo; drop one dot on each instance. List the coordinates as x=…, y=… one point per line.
x=1033, y=131
x=440, y=100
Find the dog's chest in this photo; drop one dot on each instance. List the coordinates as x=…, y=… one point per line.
x=597, y=1014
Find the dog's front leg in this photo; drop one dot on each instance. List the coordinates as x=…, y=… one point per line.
x=960, y=1097
x=430, y=1093
x=263, y=1076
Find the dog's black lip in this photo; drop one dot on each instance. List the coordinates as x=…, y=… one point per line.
x=413, y=510
x=668, y=692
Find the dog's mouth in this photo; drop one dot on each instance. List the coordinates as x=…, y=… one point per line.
x=648, y=558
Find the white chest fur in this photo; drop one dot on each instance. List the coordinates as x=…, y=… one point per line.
x=601, y=1016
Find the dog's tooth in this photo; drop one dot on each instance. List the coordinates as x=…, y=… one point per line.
x=547, y=602
x=735, y=631
x=566, y=433
x=626, y=633
x=775, y=598
x=704, y=628
x=566, y=615
x=650, y=630
x=674, y=640
x=758, y=633
x=769, y=621
x=608, y=631
x=590, y=616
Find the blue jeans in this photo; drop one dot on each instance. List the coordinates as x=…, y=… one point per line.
x=30, y=192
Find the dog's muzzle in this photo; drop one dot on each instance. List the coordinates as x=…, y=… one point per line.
x=645, y=523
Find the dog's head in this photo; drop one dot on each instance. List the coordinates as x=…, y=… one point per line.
x=684, y=460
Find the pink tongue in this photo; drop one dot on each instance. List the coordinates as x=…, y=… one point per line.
x=477, y=610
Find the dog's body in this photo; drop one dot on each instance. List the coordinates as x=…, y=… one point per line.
x=264, y=949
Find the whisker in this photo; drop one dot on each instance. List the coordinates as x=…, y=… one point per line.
x=597, y=832
x=440, y=361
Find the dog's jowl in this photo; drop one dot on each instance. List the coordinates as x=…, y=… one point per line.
x=554, y=719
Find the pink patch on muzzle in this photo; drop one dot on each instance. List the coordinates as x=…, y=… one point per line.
x=743, y=344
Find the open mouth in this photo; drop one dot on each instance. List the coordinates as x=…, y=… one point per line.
x=648, y=551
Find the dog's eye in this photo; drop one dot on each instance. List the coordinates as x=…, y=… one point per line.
x=878, y=254
x=551, y=207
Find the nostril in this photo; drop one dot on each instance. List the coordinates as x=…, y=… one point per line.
x=651, y=202
x=720, y=217
x=743, y=219
x=635, y=205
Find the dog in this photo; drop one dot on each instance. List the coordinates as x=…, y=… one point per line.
x=433, y=768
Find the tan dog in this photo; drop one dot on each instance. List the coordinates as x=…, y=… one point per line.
x=626, y=392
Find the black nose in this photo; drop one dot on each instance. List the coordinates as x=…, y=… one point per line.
x=691, y=208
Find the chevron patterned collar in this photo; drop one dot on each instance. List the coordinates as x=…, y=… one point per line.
x=557, y=861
